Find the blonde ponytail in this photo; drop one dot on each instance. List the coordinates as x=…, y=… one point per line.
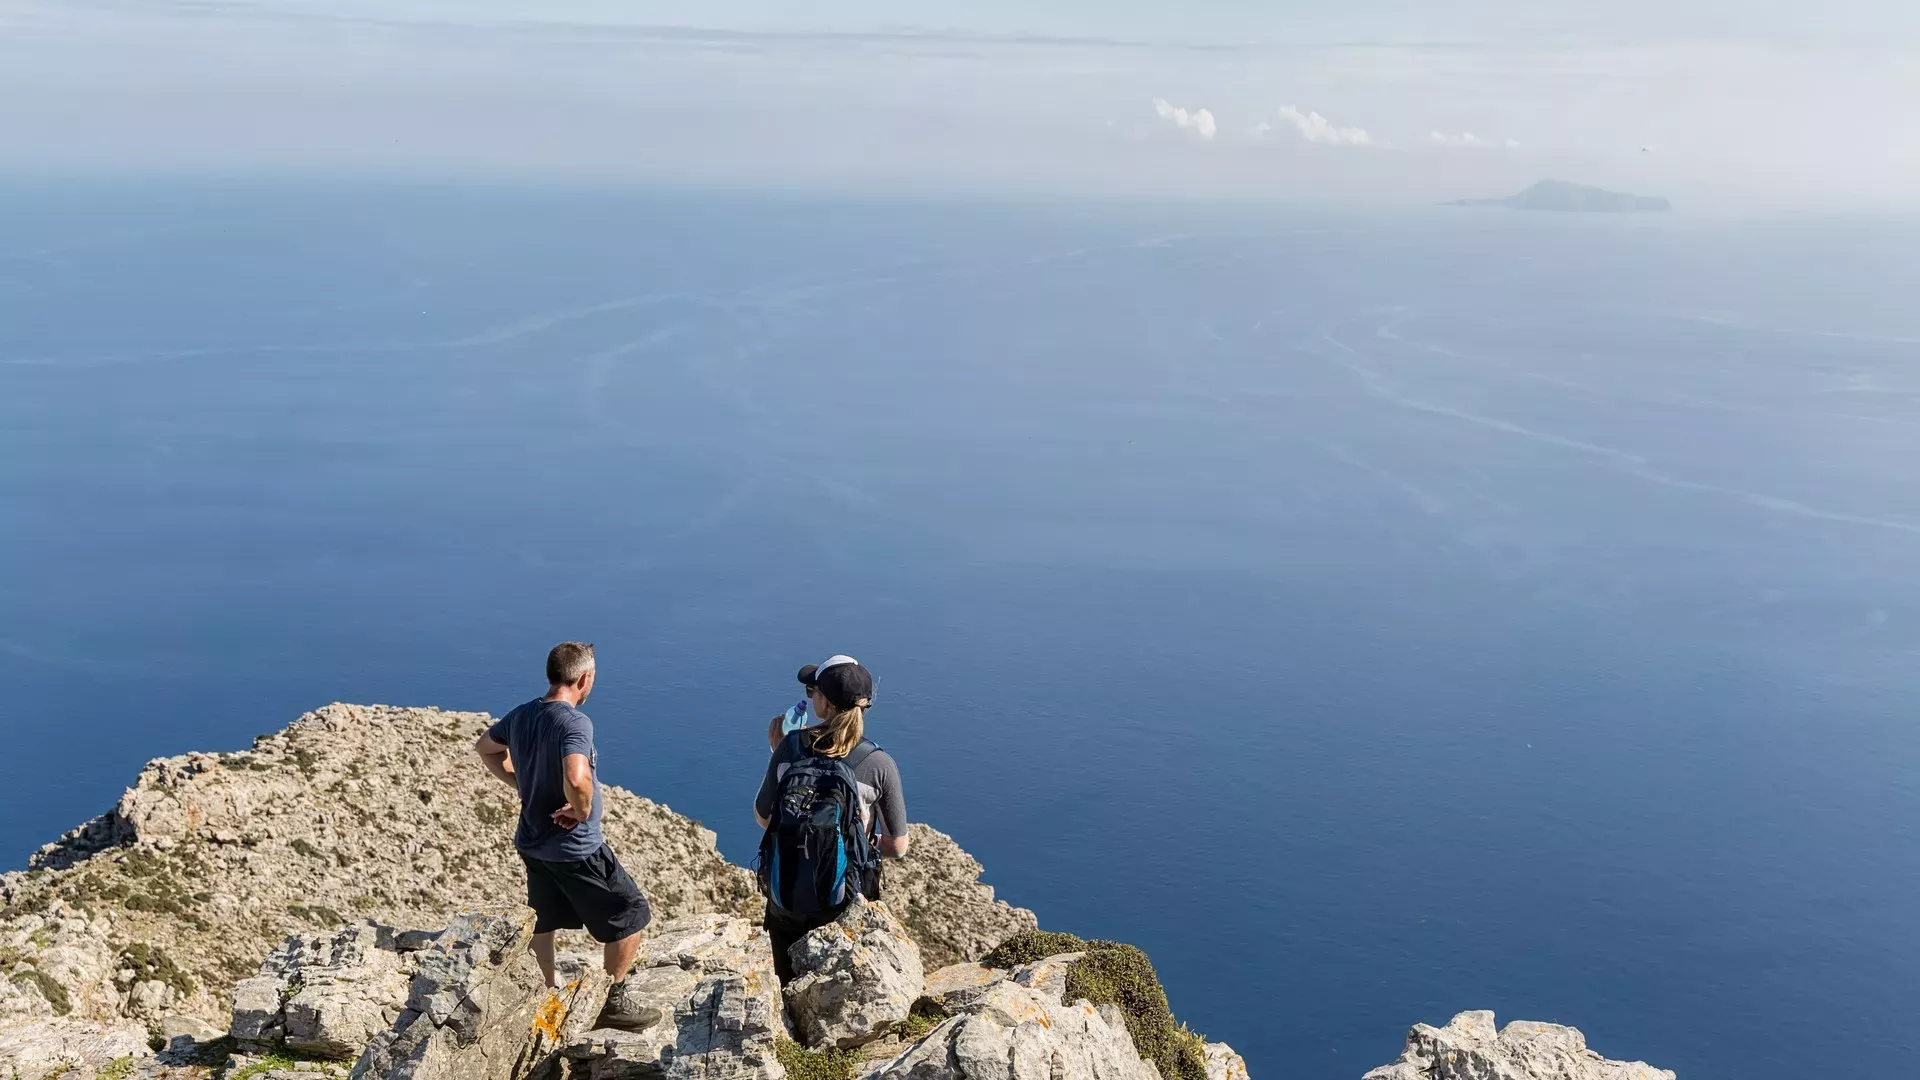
x=838, y=734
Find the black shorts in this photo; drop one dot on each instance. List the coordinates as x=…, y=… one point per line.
x=593, y=893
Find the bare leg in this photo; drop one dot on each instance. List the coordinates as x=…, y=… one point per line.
x=543, y=952
x=619, y=954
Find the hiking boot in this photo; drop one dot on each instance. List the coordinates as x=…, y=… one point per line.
x=644, y=998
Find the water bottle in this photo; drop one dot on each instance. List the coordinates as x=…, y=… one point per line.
x=795, y=718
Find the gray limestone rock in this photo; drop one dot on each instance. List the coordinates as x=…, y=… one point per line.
x=149, y=997
x=1471, y=1048
x=407, y=941
x=1224, y=1064
x=191, y=1028
x=67, y=1048
x=954, y=987
x=323, y=995
x=59, y=962
x=478, y=1008
x=854, y=978
x=354, y=811
x=710, y=978
x=1015, y=1032
x=259, y=1011
x=211, y=859
x=1048, y=975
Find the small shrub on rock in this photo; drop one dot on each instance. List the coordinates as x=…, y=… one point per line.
x=916, y=1025
x=1028, y=946
x=149, y=963
x=49, y=988
x=804, y=1064
x=272, y=1063
x=1115, y=973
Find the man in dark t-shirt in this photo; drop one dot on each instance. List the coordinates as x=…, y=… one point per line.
x=544, y=749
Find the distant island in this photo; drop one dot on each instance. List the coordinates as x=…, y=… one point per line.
x=1574, y=198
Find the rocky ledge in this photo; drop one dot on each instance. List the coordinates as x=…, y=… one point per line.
x=338, y=902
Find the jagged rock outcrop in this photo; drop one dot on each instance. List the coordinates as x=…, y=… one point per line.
x=353, y=812
x=935, y=889
x=137, y=927
x=59, y=963
x=34, y=1047
x=854, y=978
x=963, y=989
x=324, y=994
x=710, y=980
x=953, y=988
x=1471, y=1048
x=1224, y=1064
x=1003, y=1030
x=478, y=1007
x=1048, y=975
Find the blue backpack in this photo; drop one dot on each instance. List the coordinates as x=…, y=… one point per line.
x=816, y=854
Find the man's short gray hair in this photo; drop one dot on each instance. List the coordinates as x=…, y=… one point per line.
x=568, y=661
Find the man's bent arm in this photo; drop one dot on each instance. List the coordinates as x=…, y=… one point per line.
x=892, y=847
x=577, y=771
x=496, y=759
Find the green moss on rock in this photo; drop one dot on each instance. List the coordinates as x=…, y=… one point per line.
x=1028, y=946
x=804, y=1064
x=150, y=964
x=1115, y=973
x=915, y=1026
x=49, y=987
x=278, y=1062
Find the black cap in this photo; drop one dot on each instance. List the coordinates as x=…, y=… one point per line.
x=841, y=680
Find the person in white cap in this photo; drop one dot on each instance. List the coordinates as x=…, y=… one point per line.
x=831, y=750
x=800, y=714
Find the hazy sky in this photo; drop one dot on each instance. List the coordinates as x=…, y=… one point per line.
x=1721, y=100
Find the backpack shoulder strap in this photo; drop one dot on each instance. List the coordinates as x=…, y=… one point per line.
x=794, y=745
x=861, y=752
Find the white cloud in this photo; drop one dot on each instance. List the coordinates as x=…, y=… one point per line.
x=1468, y=140
x=1316, y=128
x=1200, y=120
x=79, y=85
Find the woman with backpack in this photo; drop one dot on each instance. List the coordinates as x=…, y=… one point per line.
x=832, y=806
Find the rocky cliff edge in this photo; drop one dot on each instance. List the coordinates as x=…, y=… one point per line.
x=341, y=899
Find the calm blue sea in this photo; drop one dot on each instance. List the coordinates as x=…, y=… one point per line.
x=1372, y=616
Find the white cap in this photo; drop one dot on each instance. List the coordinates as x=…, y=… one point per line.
x=807, y=673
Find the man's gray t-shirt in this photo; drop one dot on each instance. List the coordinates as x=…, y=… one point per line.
x=539, y=736
x=877, y=776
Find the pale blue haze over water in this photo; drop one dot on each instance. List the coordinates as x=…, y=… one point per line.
x=1371, y=616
